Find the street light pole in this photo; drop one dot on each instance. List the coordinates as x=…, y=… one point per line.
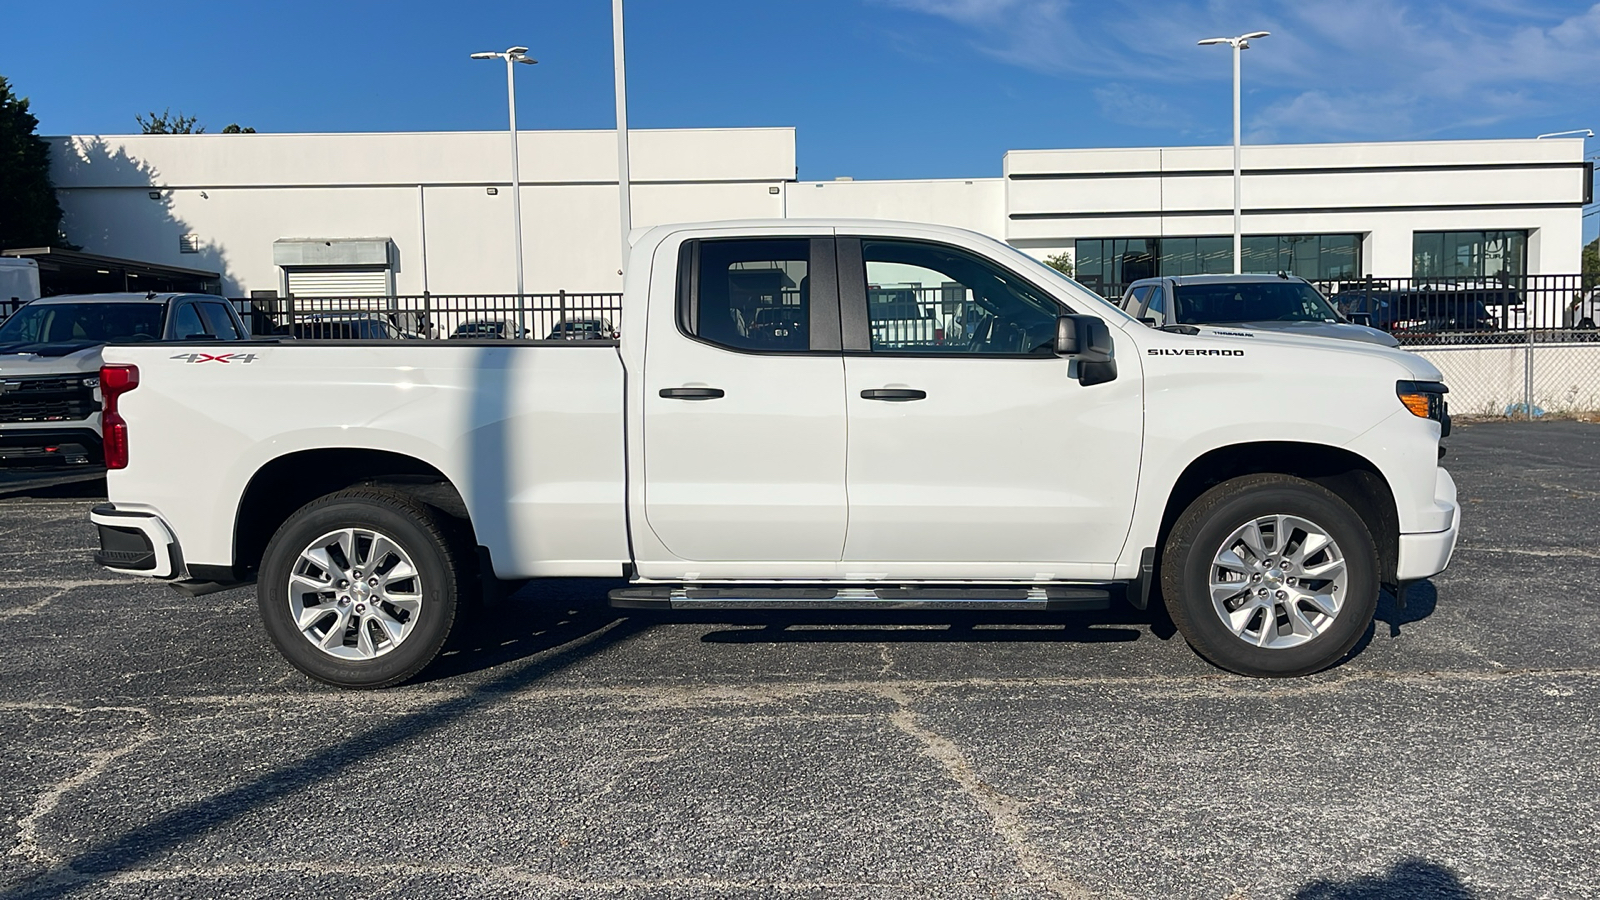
x=624, y=186
x=1239, y=45
x=512, y=56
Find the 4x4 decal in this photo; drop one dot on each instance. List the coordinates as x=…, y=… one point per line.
x=245, y=358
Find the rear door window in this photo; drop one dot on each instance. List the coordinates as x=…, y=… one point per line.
x=216, y=315
x=756, y=295
x=1157, y=310
x=1135, y=300
x=186, y=323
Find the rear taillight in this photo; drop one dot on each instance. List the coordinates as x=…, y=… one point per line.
x=114, y=382
x=938, y=335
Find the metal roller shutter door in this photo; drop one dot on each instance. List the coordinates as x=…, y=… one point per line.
x=339, y=282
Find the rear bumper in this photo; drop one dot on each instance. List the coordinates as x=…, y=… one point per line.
x=1427, y=554
x=23, y=446
x=136, y=543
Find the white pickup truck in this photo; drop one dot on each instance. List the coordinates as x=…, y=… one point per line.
x=1056, y=455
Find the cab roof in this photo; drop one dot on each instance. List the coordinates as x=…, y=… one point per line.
x=129, y=297
x=1219, y=279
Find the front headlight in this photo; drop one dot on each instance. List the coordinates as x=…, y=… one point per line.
x=1425, y=400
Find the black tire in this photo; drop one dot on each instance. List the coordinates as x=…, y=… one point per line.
x=443, y=569
x=1199, y=534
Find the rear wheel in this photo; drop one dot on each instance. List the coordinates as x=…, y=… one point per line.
x=1270, y=575
x=359, y=588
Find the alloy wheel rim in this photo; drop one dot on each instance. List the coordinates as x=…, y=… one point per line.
x=355, y=594
x=1278, y=581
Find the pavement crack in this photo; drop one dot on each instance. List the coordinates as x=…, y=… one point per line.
x=33, y=607
x=1004, y=811
x=27, y=845
x=1516, y=551
x=888, y=661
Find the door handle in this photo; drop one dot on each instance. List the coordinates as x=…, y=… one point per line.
x=894, y=395
x=692, y=393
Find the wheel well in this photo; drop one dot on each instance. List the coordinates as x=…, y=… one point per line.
x=289, y=482
x=1356, y=480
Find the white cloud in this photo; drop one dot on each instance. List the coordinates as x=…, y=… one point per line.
x=1127, y=106
x=1357, y=68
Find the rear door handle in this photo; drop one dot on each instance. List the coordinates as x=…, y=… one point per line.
x=692, y=393
x=894, y=395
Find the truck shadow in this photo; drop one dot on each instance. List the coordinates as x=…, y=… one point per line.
x=912, y=628
x=570, y=641
x=1408, y=879
x=1421, y=600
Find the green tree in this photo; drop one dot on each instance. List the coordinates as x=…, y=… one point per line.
x=1061, y=262
x=30, y=216
x=165, y=122
x=1591, y=263
x=233, y=128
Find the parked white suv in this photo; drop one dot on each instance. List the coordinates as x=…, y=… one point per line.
x=1056, y=454
x=50, y=364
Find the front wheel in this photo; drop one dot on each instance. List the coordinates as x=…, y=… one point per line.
x=359, y=588
x=1270, y=575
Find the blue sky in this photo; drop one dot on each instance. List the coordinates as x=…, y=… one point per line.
x=877, y=88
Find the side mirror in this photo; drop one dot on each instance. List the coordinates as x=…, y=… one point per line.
x=1084, y=338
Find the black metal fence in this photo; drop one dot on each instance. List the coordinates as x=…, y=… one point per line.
x=561, y=315
x=1446, y=311
x=1441, y=311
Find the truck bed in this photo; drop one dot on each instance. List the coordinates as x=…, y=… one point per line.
x=531, y=433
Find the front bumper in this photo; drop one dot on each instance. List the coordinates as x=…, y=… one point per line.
x=1427, y=554
x=23, y=446
x=136, y=543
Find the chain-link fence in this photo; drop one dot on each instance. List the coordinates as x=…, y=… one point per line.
x=1521, y=346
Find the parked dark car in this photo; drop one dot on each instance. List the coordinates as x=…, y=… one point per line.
x=583, y=330
x=349, y=327
x=1418, y=310
x=1280, y=303
x=488, y=329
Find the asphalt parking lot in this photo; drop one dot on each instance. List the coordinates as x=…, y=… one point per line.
x=154, y=746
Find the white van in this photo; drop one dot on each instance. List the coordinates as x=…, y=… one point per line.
x=19, y=283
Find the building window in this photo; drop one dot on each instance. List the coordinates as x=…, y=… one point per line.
x=1108, y=266
x=1314, y=257
x=1469, y=254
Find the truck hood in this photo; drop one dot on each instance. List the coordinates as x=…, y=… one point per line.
x=1415, y=367
x=1344, y=331
x=49, y=359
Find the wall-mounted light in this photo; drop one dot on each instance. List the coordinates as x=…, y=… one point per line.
x=491, y=191
x=204, y=196
x=772, y=190
x=155, y=195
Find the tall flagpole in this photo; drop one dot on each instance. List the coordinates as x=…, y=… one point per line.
x=624, y=190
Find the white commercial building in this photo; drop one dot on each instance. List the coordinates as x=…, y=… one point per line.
x=365, y=214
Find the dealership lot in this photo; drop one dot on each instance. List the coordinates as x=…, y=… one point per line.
x=156, y=746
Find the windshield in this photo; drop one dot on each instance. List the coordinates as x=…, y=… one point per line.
x=1251, y=301
x=61, y=323
x=481, y=328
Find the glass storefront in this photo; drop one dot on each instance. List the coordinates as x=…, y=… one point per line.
x=1108, y=265
x=1469, y=254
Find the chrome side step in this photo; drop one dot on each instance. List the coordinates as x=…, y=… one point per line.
x=1030, y=597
